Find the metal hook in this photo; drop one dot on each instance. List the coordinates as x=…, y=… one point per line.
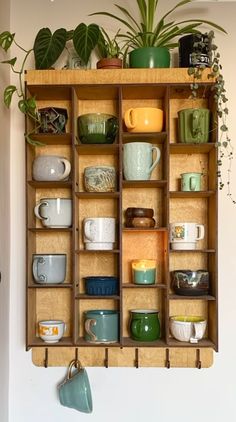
x=106, y=362
x=46, y=358
x=136, y=362
x=198, y=359
x=167, y=358
x=77, y=357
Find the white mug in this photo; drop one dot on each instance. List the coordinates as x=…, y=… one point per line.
x=51, y=168
x=99, y=233
x=188, y=328
x=185, y=235
x=54, y=212
x=49, y=268
x=51, y=331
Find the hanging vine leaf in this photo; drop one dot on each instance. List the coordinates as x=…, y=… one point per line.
x=11, y=61
x=6, y=40
x=48, y=47
x=85, y=39
x=8, y=92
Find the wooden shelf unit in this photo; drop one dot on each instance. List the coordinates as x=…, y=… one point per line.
x=114, y=92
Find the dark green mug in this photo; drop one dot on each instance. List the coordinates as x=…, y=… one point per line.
x=194, y=125
x=144, y=325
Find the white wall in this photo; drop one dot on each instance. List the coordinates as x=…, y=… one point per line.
x=4, y=227
x=131, y=394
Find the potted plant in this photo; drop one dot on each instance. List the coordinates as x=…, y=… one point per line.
x=109, y=51
x=150, y=40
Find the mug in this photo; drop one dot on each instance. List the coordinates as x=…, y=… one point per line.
x=51, y=331
x=144, y=271
x=101, y=326
x=144, y=325
x=54, y=212
x=51, y=168
x=188, y=328
x=49, y=269
x=100, y=179
x=191, y=182
x=144, y=119
x=185, y=235
x=99, y=233
x=194, y=125
x=75, y=391
x=138, y=160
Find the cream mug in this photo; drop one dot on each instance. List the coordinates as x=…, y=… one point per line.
x=144, y=119
x=54, y=212
x=51, y=331
x=99, y=233
x=185, y=235
x=188, y=328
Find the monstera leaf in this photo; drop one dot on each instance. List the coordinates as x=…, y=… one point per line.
x=48, y=47
x=85, y=39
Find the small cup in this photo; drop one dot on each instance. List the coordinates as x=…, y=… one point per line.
x=99, y=233
x=51, y=331
x=51, y=168
x=185, y=235
x=100, y=179
x=49, y=268
x=144, y=271
x=144, y=119
x=191, y=182
x=188, y=328
x=144, y=324
x=101, y=326
x=54, y=212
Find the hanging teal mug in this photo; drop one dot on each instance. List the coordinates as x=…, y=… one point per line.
x=144, y=325
x=194, y=125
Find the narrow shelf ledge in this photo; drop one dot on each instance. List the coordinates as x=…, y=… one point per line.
x=128, y=342
x=182, y=148
x=97, y=195
x=181, y=297
x=143, y=286
x=144, y=229
x=78, y=251
x=50, y=286
x=53, y=138
x=97, y=149
x=38, y=342
x=81, y=342
x=199, y=194
x=48, y=185
x=157, y=137
x=94, y=297
x=52, y=230
x=192, y=251
x=144, y=184
x=201, y=343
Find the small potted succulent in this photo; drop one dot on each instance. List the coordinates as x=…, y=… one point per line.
x=109, y=51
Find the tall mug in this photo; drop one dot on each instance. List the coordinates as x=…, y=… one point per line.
x=138, y=162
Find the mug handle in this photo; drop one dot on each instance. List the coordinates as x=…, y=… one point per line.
x=67, y=168
x=87, y=230
x=197, y=333
x=196, y=121
x=193, y=183
x=129, y=118
x=88, y=325
x=201, y=231
x=158, y=152
x=136, y=326
x=37, y=210
x=40, y=278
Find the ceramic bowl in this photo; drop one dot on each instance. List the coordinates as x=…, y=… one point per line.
x=139, y=212
x=100, y=179
x=144, y=222
x=51, y=331
x=188, y=328
x=190, y=283
x=101, y=285
x=97, y=128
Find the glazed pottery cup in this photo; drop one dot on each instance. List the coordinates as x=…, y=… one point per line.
x=99, y=233
x=75, y=391
x=51, y=168
x=49, y=269
x=185, y=235
x=188, y=328
x=97, y=128
x=101, y=326
x=138, y=162
x=100, y=179
x=54, y=212
x=194, y=125
x=144, y=325
x=190, y=283
x=144, y=119
x=191, y=182
x=51, y=331
x=144, y=271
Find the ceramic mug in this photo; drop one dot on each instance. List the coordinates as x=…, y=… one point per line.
x=144, y=271
x=49, y=268
x=194, y=125
x=100, y=179
x=99, y=233
x=138, y=161
x=188, y=328
x=144, y=325
x=51, y=168
x=51, y=331
x=54, y=212
x=101, y=326
x=191, y=182
x=185, y=235
x=144, y=119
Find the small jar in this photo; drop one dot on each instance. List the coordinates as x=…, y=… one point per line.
x=144, y=271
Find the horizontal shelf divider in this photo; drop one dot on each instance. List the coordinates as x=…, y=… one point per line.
x=50, y=184
x=199, y=194
x=53, y=138
x=144, y=183
x=145, y=229
x=192, y=250
x=38, y=342
x=97, y=195
x=182, y=148
x=129, y=342
x=145, y=286
x=97, y=149
x=48, y=229
x=86, y=296
x=81, y=342
x=157, y=137
x=181, y=297
x=51, y=286
x=78, y=251
x=201, y=343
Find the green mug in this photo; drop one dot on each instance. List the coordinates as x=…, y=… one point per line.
x=144, y=325
x=194, y=125
x=191, y=182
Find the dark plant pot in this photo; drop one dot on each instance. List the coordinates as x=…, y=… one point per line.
x=192, y=53
x=149, y=57
x=109, y=63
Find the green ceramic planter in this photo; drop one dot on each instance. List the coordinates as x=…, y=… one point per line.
x=149, y=57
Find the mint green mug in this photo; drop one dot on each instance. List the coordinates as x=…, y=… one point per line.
x=194, y=125
x=144, y=325
x=191, y=182
x=101, y=326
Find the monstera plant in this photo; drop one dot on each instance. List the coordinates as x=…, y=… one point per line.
x=47, y=49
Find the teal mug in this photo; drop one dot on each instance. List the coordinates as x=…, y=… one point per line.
x=144, y=325
x=138, y=160
x=101, y=326
x=191, y=182
x=194, y=125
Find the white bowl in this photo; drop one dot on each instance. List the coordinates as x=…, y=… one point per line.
x=188, y=328
x=51, y=331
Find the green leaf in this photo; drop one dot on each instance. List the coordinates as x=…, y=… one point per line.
x=8, y=92
x=48, y=47
x=6, y=40
x=69, y=35
x=11, y=61
x=85, y=39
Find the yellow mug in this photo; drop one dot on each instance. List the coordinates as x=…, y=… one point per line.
x=144, y=119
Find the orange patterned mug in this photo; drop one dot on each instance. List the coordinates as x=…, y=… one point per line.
x=144, y=119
